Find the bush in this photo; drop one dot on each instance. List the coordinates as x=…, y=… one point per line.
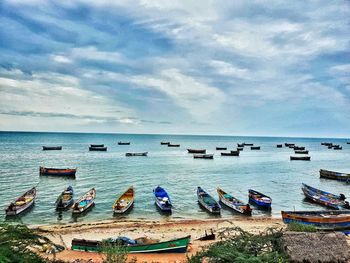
x=297, y=227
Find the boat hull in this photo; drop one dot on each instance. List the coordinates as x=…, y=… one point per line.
x=335, y=176
x=256, y=198
x=20, y=210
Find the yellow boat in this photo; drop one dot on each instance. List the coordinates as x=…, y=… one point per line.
x=124, y=202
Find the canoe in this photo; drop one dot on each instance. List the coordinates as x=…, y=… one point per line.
x=162, y=199
x=299, y=148
x=123, y=143
x=22, y=203
x=207, y=201
x=240, y=144
x=178, y=245
x=255, y=148
x=248, y=144
x=301, y=152
x=221, y=148
x=324, y=198
x=234, y=203
x=97, y=145
x=196, y=150
x=85, y=202
x=231, y=153
x=65, y=199
x=136, y=154
x=164, y=143
x=52, y=148
x=57, y=171
x=125, y=201
x=325, y=220
x=98, y=149
x=279, y=146
x=203, y=156
x=259, y=199
x=173, y=145
x=334, y=175
x=300, y=158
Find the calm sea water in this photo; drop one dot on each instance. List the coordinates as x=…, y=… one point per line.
x=268, y=170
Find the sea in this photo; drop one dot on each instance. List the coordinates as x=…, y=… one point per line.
x=268, y=170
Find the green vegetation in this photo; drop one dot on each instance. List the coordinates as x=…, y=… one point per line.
x=297, y=227
x=114, y=253
x=239, y=246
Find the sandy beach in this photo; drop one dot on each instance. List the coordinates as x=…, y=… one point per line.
x=161, y=230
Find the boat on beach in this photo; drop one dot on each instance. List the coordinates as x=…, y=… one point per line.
x=234, y=203
x=65, y=199
x=301, y=152
x=123, y=143
x=100, y=149
x=136, y=154
x=335, y=175
x=207, y=201
x=203, y=156
x=85, y=202
x=196, y=150
x=125, y=201
x=67, y=172
x=300, y=158
x=259, y=199
x=162, y=199
x=325, y=220
x=22, y=203
x=221, y=148
x=52, y=148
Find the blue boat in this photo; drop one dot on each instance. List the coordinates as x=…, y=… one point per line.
x=162, y=199
x=207, y=201
x=65, y=199
x=259, y=199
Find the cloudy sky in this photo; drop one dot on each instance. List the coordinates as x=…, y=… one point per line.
x=193, y=67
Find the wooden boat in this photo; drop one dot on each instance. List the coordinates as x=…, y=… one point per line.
x=85, y=202
x=326, y=143
x=22, y=203
x=324, y=198
x=164, y=143
x=239, y=148
x=65, y=199
x=178, y=245
x=300, y=158
x=330, y=146
x=279, y=146
x=259, y=199
x=103, y=149
x=196, y=150
x=207, y=201
x=337, y=148
x=255, y=148
x=301, y=152
x=173, y=145
x=234, y=203
x=97, y=145
x=240, y=145
x=248, y=144
x=52, y=148
x=289, y=144
x=58, y=171
x=162, y=199
x=221, y=148
x=136, y=154
x=203, y=156
x=299, y=148
x=231, y=153
x=125, y=201
x=325, y=220
x=123, y=143
x=335, y=175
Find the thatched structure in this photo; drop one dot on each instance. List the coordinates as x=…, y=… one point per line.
x=318, y=247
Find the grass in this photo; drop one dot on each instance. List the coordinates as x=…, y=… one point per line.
x=297, y=227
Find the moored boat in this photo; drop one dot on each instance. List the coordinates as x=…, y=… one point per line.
x=337, y=148
x=101, y=149
x=234, y=203
x=162, y=199
x=97, y=145
x=300, y=158
x=85, y=202
x=259, y=199
x=334, y=175
x=255, y=148
x=123, y=143
x=279, y=145
x=164, y=143
x=136, y=154
x=203, y=156
x=301, y=152
x=125, y=201
x=221, y=148
x=196, y=150
x=173, y=145
x=65, y=199
x=248, y=144
x=58, y=171
x=240, y=145
x=299, y=148
x=22, y=203
x=289, y=144
x=240, y=148
x=207, y=201
x=231, y=153
x=52, y=148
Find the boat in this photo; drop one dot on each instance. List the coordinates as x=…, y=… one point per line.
x=57, y=171
x=347, y=142
x=299, y=148
x=324, y=198
x=203, y=156
x=136, y=154
x=65, y=199
x=234, y=203
x=162, y=199
x=330, y=146
x=279, y=145
x=97, y=145
x=289, y=144
x=300, y=158
x=240, y=145
x=326, y=143
x=255, y=148
x=52, y=148
x=259, y=199
x=207, y=201
x=196, y=150
x=85, y=202
x=164, y=143
x=248, y=144
x=221, y=148
x=123, y=143
x=325, y=220
x=231, y=153
x=103, y=149
x=125, y=201
x=22, y=203
x=334, y=175
x=173, y=145
x=337, y=148
x=301, y=152
x=178, y=245
x=239, y=148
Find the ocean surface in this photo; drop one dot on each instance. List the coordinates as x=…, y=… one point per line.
x=111, y=173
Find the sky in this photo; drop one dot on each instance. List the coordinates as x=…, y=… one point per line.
x=268, y=68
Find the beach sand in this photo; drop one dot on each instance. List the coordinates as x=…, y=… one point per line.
x=161, y=230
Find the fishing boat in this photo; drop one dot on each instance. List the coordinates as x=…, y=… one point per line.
x=22, y=203
x=203, y=156
x=85, y=202
x=337, y=148
x=164, y=143
x=279, y=146
x=302, y=152
x=178, y=245
x=57, y=171
x=136, y=154
x=221, y=148
x=100, y=149
x=300, y=158
x=97, y=145
x=248, y=144
x=207, y=201
x=231, y=153
x=299, y=148
x=326, y=143
x=173, y=145
x=324, y=198
x=239, y=148
x=196, y=150
x=234, y=203
x=335, y=175
x=123, y=143
x=65, y=199
x=52, y=148
x=289, y=144
x=255, y=148
x=162, y=199
x=325, y=220
x=259, y=199
x=125, y=201
x=240, y=145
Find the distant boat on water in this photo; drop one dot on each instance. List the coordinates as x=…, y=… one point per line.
x=52, y=148
x=279, y=146
x=22, y=203
x=173, y=145
x=301, y=152
x=299, y=148
x=125, y=201
x=97, y=145
x=255, y=148
x=221, y=148
x=248, y=144
x=101, y=149
x=335, y=175
x=300, y=158
x=123, y=143
x=203, y=156
x=196, y=150
x=234, y=203
x=231, y=153
x=136, y=154
x=207, y=201
x=58, y=171
x=164, y=143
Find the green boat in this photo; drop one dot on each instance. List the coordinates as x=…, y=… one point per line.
x=172, y=246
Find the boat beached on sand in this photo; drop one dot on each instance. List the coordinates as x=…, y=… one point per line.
x=22, y=203
x=259, y=199
x=65, y=199
x=162, y=199
x=125, y=201
x=85, y=202
x=207, y=201
x=234, y=203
